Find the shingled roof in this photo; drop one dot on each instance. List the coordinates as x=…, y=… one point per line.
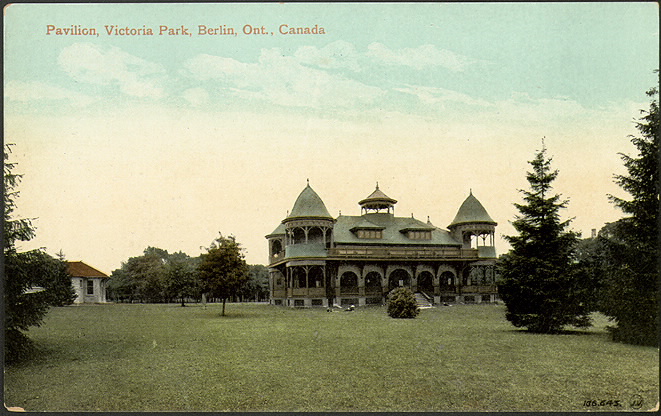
x=393, y=231
x=80, y=269
x=472, y=211
x=309, y=204
x=279, y=230
x=377, y=199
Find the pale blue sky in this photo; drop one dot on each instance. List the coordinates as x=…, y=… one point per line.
x=163, y=141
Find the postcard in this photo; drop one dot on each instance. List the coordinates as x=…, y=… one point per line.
x=349, y=149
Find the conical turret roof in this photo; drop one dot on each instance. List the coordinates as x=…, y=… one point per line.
x=309, y=204
x=472, y=211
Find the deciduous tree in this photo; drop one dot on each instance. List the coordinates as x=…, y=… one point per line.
x=142, y=277
x=257, y=286
x=181, y=279
x=223, y=270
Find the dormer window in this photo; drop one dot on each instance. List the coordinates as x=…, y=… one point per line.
x=419, y=235
x=373, y=234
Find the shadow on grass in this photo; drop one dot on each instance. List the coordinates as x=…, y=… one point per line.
x=580, y=332
x=71, y=350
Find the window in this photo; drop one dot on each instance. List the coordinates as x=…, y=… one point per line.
x=90, y=287
x=317, y=302
x=420, y=235
x=299, y=302
x=370, y=234
x=81, y=283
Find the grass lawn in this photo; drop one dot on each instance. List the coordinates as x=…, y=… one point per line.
x=120, y=357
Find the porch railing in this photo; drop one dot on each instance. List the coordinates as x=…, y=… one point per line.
x=403, y=253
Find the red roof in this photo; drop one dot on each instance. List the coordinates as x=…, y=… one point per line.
x=80, y=269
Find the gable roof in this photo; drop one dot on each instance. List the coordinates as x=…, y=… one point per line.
x=471, y=210
x=80, y=269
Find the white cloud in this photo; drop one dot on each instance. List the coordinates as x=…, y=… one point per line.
x=39, y=91
x=196, y=96
x=282, y=80
x=434, y=95
x=424, y=56
x=94, y=64
x=339, y=54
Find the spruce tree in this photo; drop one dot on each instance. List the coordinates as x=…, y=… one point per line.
x=540, y=282
x=33, y=280
x=631, y=296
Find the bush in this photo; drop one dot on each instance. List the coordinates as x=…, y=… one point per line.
x=402, y=304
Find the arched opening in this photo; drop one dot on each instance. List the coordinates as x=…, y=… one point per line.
x=373, y=283
x=426, y=283
x=298, y=236
x=316, y=276
x=349, y=282
x=276, y=247
x=477, y=275
x=299, y=277
x=399, y=278
x=447, y=282
x=489, y=275
x=315, y=235
x=278, y=279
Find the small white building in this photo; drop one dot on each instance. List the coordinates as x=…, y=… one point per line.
x=88, y=282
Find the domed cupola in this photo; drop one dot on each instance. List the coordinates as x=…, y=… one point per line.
x=309, y=226
x=474, y=227
x=377, y=202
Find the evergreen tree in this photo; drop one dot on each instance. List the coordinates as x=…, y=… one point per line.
x=33, y=280
x=223, y=270
x=631, y=297
x=541, y=284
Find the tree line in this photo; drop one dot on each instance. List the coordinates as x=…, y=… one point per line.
x=220, y=274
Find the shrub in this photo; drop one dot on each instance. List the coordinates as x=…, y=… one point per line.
x=402, y=304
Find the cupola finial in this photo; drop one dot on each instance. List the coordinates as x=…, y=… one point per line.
x=308, y=181
x=377, y=185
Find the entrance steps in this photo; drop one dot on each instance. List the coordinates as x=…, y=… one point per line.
x=422, y=301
